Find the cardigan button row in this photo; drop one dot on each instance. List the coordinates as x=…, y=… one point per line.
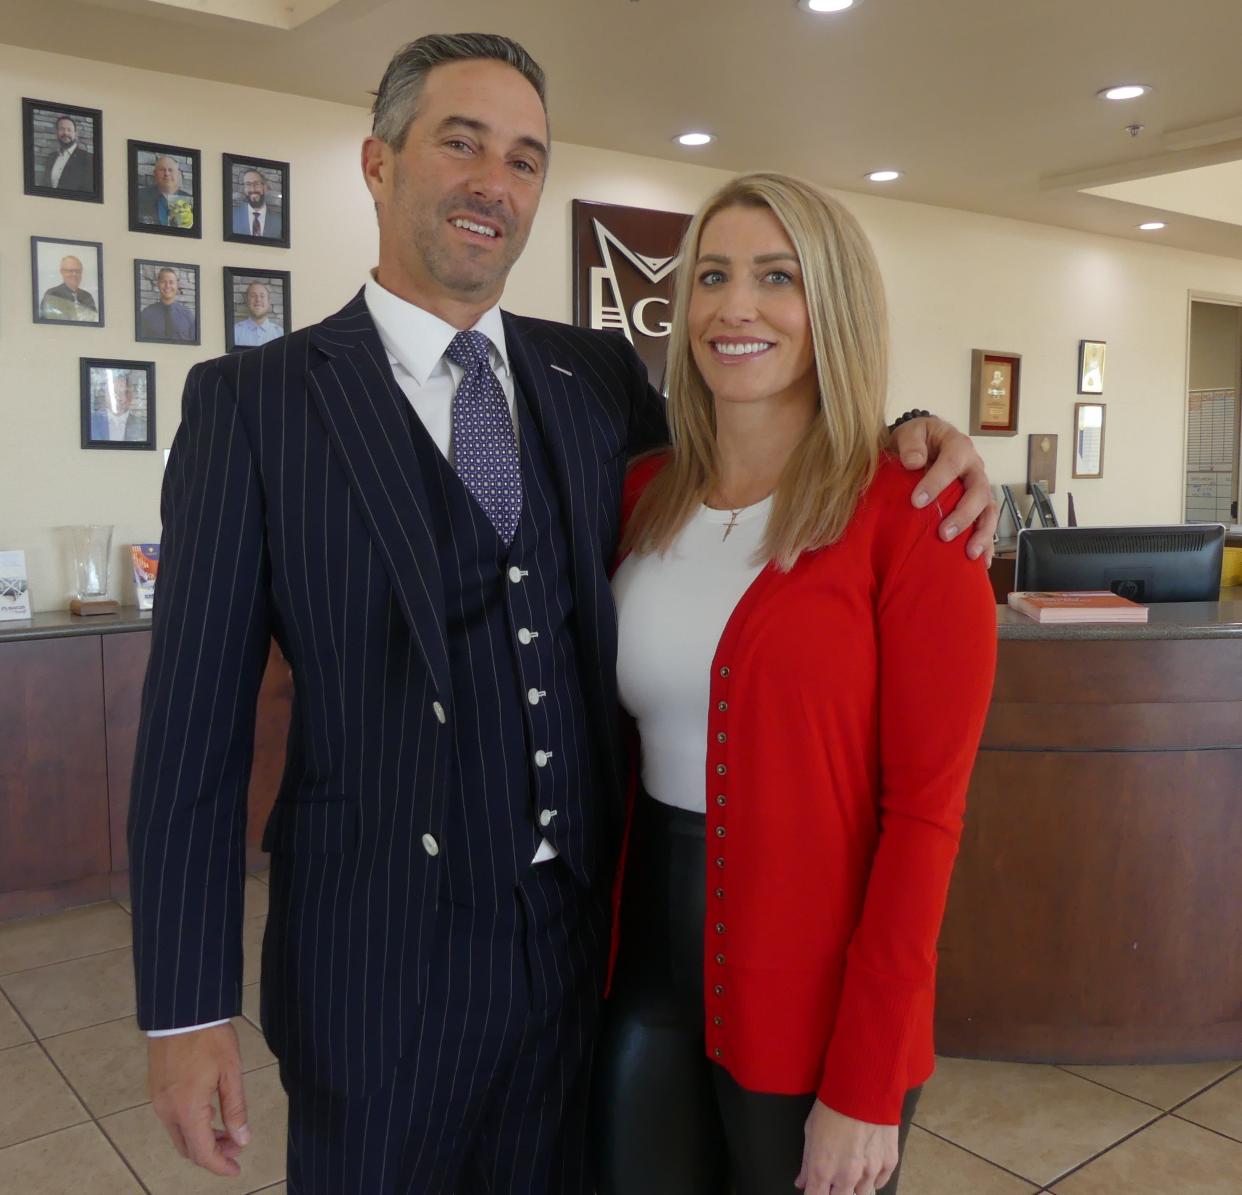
x=720, y=960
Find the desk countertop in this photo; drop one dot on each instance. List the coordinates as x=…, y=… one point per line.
x=1170, y=620
x=57, y=624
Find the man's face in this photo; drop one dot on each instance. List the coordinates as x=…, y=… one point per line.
x=71, y=272
x=66, y=132
x=254, y=188
x=457, y=201
x=167, y=175
x=120, y=396
x=258, y=302
x=168, y=284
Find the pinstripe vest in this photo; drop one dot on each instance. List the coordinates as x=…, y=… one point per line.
x=523, y=765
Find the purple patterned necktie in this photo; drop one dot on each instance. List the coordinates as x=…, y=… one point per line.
x=485, y=452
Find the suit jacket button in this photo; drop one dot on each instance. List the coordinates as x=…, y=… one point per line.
x=430, y=845
x=545, y=818
x=438, y=710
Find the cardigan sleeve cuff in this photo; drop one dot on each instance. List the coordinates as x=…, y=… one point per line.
x=867, y=1068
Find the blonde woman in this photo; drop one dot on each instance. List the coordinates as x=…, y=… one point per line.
x=808, y=669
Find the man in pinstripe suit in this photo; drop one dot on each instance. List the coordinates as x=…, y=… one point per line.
x=418, y=498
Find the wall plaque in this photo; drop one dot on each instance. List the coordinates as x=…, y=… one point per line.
x=625, y=259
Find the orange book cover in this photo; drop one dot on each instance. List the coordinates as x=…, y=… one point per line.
x=1087, y=606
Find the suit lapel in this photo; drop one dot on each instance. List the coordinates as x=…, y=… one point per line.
x=367, y=419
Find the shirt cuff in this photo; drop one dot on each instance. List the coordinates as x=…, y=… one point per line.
x=186, y=1028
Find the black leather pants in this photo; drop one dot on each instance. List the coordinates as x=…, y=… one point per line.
x=666, y=1120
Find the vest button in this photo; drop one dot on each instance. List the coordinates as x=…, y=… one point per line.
x=721, y=736
x=725, y=670
x=720, y=831
x=719, y=860
x=430, y=845
x=720, y=927
x=721, y=769
x=438, y=710
x=720, y=894
x=719, y=990
x=717, y=1021
x=720, y=800
x=722, y=706
x=720, y=959
x=717, y=1052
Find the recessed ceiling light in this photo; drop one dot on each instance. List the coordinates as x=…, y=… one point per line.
x=1124, y=91
x=694, y=139
x=1152, y=226
x=822, y=6
x=884, y=176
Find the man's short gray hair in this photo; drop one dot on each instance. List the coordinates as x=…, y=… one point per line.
x=396, y=100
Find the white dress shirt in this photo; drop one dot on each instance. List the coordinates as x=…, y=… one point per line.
x=415, y=341
x=62, y=160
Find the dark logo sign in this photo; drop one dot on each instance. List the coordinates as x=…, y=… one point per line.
x=624, y=262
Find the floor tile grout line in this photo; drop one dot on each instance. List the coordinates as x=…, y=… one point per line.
x=1108, y=1149
x=973, y=1154
x=116, y=1149
x=1138, y=1099
x=64, y=1128
x=1207, y=1128
x=61, y=962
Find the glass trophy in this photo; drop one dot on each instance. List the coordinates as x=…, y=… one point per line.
x=91, y=547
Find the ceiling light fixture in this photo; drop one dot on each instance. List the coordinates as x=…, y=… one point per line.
x=827, y=6
x=884, y=176
x=694, y=139
x=1152, y=226
x=1124, y=91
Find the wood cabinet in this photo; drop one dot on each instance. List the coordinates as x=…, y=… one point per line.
x=69, y=698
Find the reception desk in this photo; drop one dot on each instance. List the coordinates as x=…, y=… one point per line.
x=1095, y=915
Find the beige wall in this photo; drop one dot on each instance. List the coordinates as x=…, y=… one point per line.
x=956, y=281
x=1215, y=345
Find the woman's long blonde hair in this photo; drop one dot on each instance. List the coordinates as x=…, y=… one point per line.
x=837, y=458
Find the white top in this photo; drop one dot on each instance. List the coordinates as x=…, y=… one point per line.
x=671, y=611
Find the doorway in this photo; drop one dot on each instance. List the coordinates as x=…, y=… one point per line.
x=1212, y=412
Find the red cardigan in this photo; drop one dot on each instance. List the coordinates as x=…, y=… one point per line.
x=847, y=702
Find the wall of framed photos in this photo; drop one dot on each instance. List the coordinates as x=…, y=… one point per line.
x=956, y=281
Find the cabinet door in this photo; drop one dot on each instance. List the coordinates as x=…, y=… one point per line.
x=125, y=668
x=53, y=763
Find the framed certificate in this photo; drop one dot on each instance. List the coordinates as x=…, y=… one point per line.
x=994, y=393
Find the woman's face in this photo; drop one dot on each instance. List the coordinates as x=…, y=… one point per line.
x=749, y=329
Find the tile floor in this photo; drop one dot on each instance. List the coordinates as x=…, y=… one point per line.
x=74, y=1116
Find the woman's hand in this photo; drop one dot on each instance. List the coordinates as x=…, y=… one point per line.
x=947, y=454
x=844, y=1156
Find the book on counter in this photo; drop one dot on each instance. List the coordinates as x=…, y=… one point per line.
x=146, y=558
x=1095, y=605
x=14, y=586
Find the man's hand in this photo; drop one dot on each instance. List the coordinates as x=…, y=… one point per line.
x=844, y=1156
x=187, y=1071
x=950, y=455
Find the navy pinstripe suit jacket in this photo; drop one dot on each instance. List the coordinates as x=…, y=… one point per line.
x=292, y=507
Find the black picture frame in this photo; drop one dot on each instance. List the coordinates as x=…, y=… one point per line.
x=36, y=148
x=89, y=384
x=237, y=282
x=42, y=284
x=147, y=295
x=144, y=156
x=275, y=175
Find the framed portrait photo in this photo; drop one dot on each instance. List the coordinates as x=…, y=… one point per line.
x=165, y=189
x=1089, y=439
x=1091, y=366
x=62, y=150
x=166, y=302
x=256, y=307
x=66, y=282
x=994, y=393
x=256, y=201
x=118, y=403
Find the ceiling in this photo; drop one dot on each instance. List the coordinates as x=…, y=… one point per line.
x=987, y=105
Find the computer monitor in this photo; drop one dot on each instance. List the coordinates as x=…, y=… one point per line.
x=1144, y=564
